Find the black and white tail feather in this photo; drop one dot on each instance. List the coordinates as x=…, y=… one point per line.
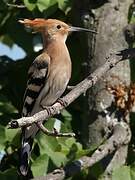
x=25, y=154
x=37, y=76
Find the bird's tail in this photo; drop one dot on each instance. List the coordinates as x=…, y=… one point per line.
x=25, y=154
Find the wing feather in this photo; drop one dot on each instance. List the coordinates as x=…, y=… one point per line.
x=37, y=76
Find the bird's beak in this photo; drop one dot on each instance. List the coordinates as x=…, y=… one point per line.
x=72, y=28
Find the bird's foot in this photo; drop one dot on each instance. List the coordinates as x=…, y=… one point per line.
x=47, y=108
x=63, y=103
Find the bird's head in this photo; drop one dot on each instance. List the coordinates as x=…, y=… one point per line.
x=52, y=28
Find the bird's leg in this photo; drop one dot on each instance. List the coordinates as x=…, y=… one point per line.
x=47, y=108
x=50, y=109
x=63, y=103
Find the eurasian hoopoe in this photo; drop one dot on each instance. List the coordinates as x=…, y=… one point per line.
x=49, y=75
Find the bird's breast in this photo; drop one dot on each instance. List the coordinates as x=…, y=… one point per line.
x=59, y=73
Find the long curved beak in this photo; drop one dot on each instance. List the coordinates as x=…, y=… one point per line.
x=72, y=28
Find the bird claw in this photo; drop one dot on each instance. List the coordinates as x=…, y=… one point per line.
x=50, y=108
x=47, y=108
x=63, y=103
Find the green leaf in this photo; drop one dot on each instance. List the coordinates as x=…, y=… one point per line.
x=122, y=173
x=9, y=174
x=10, y=134
x=5, y=106
x=63, y=148
x=66, y=114
x=49, y=146
x=47, y=143
x=132, y=172
x=44, y=4
x=2, y=137
x=58, y=158
x=67, y=118
x=64, y=5
x=40, y=165
x=30, y=4
x=52, y=146
x=70, y=141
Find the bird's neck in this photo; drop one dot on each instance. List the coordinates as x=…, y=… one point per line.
x=56, y=48
x=48, y=40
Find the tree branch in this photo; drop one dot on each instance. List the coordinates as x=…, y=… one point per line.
x=121, y=136
x=54, y=132
x=80, y=88
x=16, y=5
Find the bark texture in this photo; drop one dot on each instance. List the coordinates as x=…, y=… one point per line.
x=108, y=18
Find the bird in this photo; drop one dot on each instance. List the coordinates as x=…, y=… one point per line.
x=48, y=76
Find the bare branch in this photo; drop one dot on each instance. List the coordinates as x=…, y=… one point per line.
x=53, y=133
x=21, y=6
x=70, y=87
x=82, y=87
x=121, y=136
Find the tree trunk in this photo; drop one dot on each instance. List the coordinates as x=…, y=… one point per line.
x=108, y=18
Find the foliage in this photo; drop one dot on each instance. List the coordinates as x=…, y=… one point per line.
x=124, y=172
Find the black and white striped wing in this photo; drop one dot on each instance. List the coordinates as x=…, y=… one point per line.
x=36, y=80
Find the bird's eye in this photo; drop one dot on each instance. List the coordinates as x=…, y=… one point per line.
x=58, y=26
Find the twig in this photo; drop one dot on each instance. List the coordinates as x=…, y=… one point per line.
x=16, y=5
x=82, y=87
x=53, y=133
x=121, y=136
x=70, y=87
